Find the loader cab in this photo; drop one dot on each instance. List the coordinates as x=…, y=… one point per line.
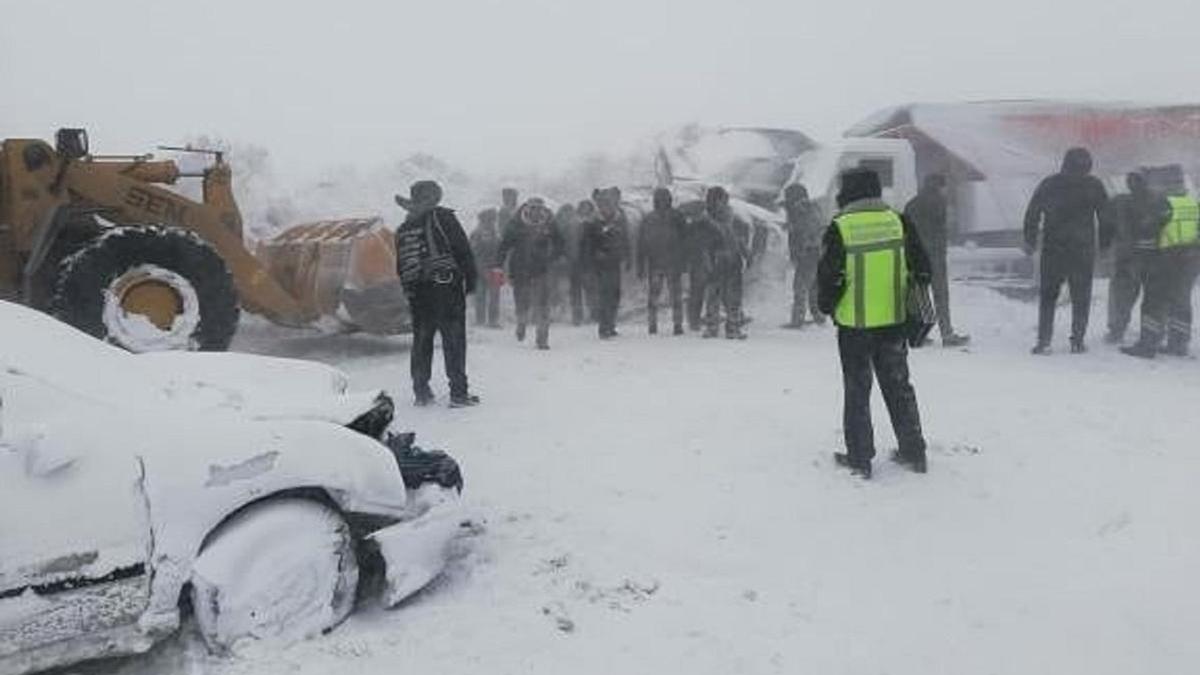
x=71, y=143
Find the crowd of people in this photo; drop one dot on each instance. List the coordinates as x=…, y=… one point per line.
x=573, y=261
x=866, y=267
x=1156, y=254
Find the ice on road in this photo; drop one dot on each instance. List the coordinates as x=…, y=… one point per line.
x=662, y=505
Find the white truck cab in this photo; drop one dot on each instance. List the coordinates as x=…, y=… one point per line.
x=893, y=159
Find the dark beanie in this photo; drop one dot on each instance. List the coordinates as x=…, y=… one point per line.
x=859, y=184
x=425, y=191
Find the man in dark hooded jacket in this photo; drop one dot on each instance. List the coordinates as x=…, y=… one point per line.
x=1137, y=217
x=857, y=286
x=437, y=269
x=660, y=257
x=584, y=302
x=1173, y=268
x=927, y=213
x=485, y=242
x=604, y=248
x=804, y=228
x=531, y=245
x=1066, y=209
x=723, y=244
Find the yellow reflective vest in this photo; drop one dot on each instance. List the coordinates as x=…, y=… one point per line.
x=1184, y=227
x=876, y=284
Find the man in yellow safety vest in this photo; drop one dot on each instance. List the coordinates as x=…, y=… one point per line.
x=870, y=256
x=1167, y=307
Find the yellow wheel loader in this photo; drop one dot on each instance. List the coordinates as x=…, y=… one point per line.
x=101, y=243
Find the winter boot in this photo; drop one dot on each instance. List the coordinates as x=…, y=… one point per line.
x=956, y=340
x=543, y=338
x=678, y=329
x=1176, y=349
x=423, y=397
x=797, y=320
x=520, y=332
x=463, y=400
x=1113, y=338
x=1040, y=349
x=858, y=468
x=733, y=331
x=1077, y=347
x=914, y=463
x=709, y=332
x=653, y=327
x=1142, y=350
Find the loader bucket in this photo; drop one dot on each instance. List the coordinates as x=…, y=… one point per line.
x=342, y=269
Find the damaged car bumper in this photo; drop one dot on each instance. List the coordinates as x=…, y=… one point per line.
x=414, y=551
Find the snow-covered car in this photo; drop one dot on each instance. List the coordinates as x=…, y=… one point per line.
x=247, y=490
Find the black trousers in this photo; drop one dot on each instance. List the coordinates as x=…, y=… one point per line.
x=1074, y=269
x=581, y=292
x=439, y=309
x=674, y=283
x=487, y=303
x=724, y=292
x=941, y=289
x=882, y=354
x=1127, y=283
x=804, y=287
x=697, y=292
x=532, y=298
x=1167, y=307
x=608, y=290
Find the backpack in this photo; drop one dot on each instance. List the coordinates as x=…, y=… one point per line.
x=423, y=255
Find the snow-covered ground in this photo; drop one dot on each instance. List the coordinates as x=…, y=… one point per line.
x=669, y=505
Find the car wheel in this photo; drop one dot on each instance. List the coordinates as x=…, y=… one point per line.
x=282, y=570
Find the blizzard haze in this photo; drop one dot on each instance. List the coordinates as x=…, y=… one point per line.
x=528, y=84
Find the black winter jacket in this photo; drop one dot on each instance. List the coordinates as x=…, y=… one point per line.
x=927, y=213
x=455, y=239
x=1066, y=208
x=604, y=244
x=530, y=250
x=661, y=241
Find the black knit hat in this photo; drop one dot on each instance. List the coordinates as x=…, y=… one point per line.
x=859, y=184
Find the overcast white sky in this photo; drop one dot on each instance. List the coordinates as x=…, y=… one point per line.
x=528, y=83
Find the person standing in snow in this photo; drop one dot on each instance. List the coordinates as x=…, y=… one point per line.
x=605, y=249
x=1167, y=307
x=485, y=242
x=726, y=251
x=927, y=213
x=660, y=258
x=437, y=269
x=1137, y=218
x=508, y=207
x=695, y=247
x=1066, y=210
x=804, y=248
x=531, y=245
x=583, y=278
x=870, y=256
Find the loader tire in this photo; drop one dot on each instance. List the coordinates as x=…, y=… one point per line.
x=149, y=289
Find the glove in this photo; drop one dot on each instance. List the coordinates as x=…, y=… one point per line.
x=496, y=277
